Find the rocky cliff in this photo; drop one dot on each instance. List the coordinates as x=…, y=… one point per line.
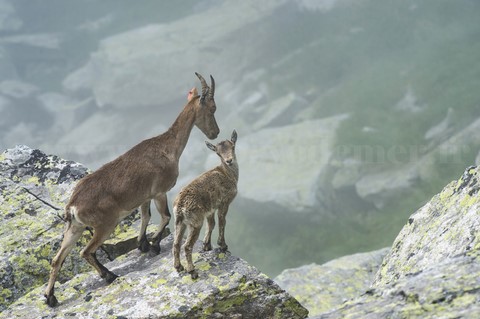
x=432, y=269
x=34, y=188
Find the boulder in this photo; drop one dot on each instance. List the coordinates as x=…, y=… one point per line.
x=433, y=267
x=34, y=188
x=285, y=164
x=321, y=288
x=9, y=20
x=409, y=166
x=446, y=227
x=129, y=68
x=150, y=287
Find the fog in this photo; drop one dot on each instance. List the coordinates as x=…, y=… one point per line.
x=350, y=114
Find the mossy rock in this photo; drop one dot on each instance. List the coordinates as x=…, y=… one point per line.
x=433, y=267
x=150, y=287
x=447, y=226
x=321, y=288
x=34, y=188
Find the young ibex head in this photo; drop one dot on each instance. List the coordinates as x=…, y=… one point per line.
x=205, y=119
x=225, y=150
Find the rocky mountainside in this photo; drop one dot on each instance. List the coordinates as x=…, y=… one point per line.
x=35, y=186
x=149, y=287
x=432, y=269
x=375, y=100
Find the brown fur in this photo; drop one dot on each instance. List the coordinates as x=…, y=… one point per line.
x=213, y=190
x=145, y=172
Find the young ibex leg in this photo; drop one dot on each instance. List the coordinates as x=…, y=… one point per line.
x=162, y=207
x=179, y=232
x=99, y=236
x=193, y=233
x=143, y=243
x=70, y=237
x=222, y=221
x=207, y=240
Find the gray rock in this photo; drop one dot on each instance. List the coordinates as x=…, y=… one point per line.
x=445, y=227
x=17, y=89
x=43, y=40
x=128, y=69
x=9, y=20
x=447, y=290
x=381, y=187
x=321, y=288
x=285, y=164
x=409, y=102
x=433, y=267
x=441, y=130
x=149, y=287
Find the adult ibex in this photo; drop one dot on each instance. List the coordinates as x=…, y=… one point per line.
x=213, y=190
x=145, y=172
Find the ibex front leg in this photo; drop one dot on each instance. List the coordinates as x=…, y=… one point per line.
x=222, y=221
x=207, y=240
x=162, y=207
x=143, y=243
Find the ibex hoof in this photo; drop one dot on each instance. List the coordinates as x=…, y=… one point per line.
x=110, y=277
x=51, y=301
x=144, y=246
x=224, y=249
x=154, y=250
x=179, y=268
x=193, y=274
x=207, y=247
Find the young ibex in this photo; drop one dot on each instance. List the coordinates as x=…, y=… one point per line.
x=145, y=172
x=213, y=190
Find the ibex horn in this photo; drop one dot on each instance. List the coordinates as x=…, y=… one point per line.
x=204, y=85
x=212, y=87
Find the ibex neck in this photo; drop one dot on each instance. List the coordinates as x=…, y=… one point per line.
x=181, y=129
x=231, y=170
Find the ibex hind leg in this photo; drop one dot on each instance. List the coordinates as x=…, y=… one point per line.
x=162, y=207
x=99, y=236
x=72, y=233
x=180, y=228
x=193, y=233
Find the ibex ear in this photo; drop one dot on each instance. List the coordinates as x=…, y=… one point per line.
x=192, y=93
x=211, y=146
x=234, y=137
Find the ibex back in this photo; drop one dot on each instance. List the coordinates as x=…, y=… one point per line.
x=145, y=172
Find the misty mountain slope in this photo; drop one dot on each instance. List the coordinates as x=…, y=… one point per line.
x=93, y=79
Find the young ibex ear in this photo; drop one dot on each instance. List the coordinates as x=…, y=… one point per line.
x=234, y=137
x=211, y=146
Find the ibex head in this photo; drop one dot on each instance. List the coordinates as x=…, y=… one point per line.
x=205, y=118
x=225, y=149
